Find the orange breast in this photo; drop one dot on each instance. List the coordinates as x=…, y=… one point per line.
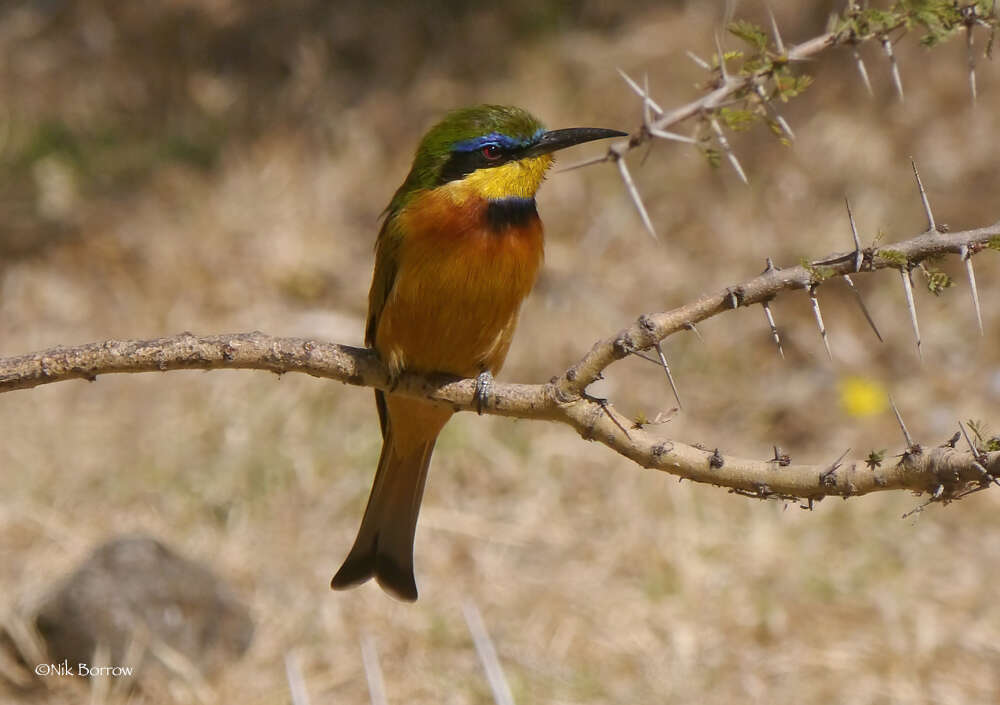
x=459, y=287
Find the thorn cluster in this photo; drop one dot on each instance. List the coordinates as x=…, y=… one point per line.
x=736, y=99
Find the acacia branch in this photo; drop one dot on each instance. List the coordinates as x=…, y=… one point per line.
x=652, y=328
x=726, y=88
x=766, y=76
x=943, y=471
x=730, y=85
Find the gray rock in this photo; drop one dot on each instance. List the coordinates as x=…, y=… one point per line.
x=144, y=606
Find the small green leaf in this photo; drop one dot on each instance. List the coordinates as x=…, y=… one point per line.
x=713, y=156
x=790, y=85
x=817, y=273
x=937, y=281
x=737, y=120
x=875, y=458
x=749, y=32
x=778, y=132
x=894, y=256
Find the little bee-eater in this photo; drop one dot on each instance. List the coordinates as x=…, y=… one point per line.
x=459, y=249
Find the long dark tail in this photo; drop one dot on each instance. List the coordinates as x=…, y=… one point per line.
x=384, y=547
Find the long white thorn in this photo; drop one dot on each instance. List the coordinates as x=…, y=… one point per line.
x=782, y=123
x=722, y=59
x=931, y=225
x=864, y=72
x=698, y=60
x=864, y=308
x=977, y=455
x=893, y=67
x=908, y=293
x=774, y=329
x=972, y=61
x=647, y=110
x=968, y=441
x=778, y=44
x=670, y=377
x=694, y=329
x=899, y=419
x=967, y=257
x=664, y=134
x=724, y=143
x=859, y=255
x=814, y=302
x=634, y=193
x=586, y=162
x=644, y=94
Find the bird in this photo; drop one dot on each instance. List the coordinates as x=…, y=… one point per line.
x=459, y=249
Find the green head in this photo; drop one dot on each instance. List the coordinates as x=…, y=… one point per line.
x=496, y=151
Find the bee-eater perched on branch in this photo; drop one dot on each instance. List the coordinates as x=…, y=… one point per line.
x=458, y=251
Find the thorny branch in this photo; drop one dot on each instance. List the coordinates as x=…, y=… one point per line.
x=766, y=75
x=943, y=471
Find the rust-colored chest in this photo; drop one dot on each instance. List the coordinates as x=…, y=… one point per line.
x=463, y=270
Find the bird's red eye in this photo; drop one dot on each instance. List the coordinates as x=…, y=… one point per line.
x=492, y=152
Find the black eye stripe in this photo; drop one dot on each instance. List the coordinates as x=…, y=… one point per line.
x=461, y=163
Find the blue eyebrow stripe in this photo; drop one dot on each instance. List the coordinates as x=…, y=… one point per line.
x=505, y=141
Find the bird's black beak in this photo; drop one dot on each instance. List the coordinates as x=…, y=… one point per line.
x=560, y=139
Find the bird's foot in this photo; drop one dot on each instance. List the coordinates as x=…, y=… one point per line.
x=484, y=388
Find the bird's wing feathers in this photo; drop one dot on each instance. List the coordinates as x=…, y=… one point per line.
x=384, y=276
x=383, y=279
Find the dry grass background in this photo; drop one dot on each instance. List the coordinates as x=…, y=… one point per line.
x=598, y=582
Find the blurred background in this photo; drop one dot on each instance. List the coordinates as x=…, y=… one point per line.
x=220, y=166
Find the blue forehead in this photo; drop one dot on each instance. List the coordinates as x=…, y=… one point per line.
x=505, y=141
